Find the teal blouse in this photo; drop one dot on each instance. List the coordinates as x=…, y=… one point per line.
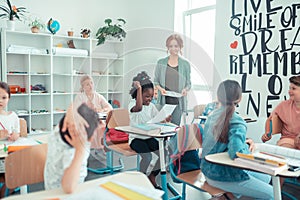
x=184, y=70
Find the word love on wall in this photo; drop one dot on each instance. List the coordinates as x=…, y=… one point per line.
x=265, y=45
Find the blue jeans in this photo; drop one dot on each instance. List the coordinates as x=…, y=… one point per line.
x=257, y=186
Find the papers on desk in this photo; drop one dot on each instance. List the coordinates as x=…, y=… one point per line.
x=114, y=190
x=173, y=94
x=166, y=110
x=148, y=129
x=292, y=156
x=270, y=159
x=102, y=115
x=260, y=166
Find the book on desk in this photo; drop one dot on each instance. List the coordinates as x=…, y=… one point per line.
x=151, y=129
x=271, y=159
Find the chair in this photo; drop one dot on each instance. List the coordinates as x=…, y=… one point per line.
x=23, y=127
x=117, y=117
x=194, y=178
x=198, y=110
x=273, y=125
x=25, y=167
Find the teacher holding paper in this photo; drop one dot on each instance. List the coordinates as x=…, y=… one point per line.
x=172, y=78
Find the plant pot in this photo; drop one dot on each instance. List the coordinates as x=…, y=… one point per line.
x=35, y=29
x=10, y=25
x=70, y=33
x=85, y=35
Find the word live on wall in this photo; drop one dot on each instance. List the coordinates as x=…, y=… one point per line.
x=268, y=34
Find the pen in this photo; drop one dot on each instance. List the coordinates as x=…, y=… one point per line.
x=269, y=154
x=270, y=133
x=2, y=126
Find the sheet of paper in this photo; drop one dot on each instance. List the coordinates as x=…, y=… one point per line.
x=163, y=113
x=173, y=94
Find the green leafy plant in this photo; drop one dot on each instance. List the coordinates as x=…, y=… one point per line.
x=37, y=23
x=113, y=30
x=10, y=12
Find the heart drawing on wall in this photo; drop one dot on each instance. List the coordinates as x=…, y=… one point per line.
x=234, y=45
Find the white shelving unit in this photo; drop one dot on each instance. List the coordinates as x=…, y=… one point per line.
x=59, y=73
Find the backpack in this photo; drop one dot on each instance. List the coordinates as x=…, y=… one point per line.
x=185, y=156
x=112, y=135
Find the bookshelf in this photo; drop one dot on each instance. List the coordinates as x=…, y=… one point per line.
x=33, y=61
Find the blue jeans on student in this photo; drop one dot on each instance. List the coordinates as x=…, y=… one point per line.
x=257, y=186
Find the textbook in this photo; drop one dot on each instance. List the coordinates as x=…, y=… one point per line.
x=149, y=129
x=291, y=156
x=260, y=166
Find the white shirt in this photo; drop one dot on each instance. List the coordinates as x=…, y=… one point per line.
x=10, y=122
x=59, y=157
x=147, y=113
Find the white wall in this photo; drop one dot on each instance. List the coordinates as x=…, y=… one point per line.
x=91, y=13
x=279, y=35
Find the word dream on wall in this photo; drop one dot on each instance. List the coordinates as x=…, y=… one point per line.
x=268, y=34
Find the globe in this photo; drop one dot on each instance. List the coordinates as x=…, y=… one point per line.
x=53, y=26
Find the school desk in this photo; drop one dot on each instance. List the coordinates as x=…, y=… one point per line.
x=85, y=189
x=160, y=137
x=39, y=138
x=223, y=159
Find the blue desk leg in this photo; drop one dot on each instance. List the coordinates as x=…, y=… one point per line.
x=163, y=168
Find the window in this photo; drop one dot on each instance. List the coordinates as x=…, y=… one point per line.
x=197, y=23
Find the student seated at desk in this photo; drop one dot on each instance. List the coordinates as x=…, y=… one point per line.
x=67, y=156
x=9, y=124
x=9, y=121
x=225, y=131
x=98, y=103
x=142, y=110
x=288, y=113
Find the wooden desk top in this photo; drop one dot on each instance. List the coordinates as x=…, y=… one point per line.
x=132, y=178
x=223, y=159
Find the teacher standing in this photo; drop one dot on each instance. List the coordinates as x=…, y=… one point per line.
x=172, y=73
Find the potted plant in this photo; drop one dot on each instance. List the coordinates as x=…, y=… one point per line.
x=11, y=12
x=85, y=33
x=36, y=25
x=111, y=30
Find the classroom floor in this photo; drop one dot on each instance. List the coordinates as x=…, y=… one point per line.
x=192, y=194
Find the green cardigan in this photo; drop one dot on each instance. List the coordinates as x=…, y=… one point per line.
x=184, y=70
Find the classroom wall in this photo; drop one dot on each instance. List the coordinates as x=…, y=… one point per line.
x=148, y=25
x=257, y=44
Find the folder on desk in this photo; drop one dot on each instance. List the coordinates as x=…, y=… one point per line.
x=124, y=192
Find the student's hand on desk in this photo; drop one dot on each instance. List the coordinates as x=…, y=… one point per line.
x=265, y=137
x=297, y=141
x=4, y=134
x=13, y=136
x=251, y=144
x=71, y=117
